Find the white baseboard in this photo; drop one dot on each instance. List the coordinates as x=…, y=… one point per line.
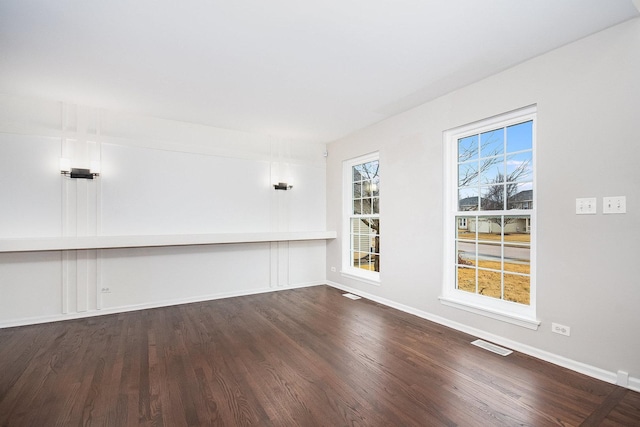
x=592, y=371
x=136, y=307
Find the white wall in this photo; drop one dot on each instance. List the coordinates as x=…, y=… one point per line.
x=157, y=177
x=588, y=98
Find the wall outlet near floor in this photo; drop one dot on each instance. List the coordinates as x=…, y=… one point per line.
x=333, y=269
x=560, y=329
x=105, y=290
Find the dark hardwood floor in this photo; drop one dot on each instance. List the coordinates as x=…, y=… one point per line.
x=298, y=357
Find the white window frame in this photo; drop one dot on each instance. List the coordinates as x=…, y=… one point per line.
x=515, y=313
x=348, y=270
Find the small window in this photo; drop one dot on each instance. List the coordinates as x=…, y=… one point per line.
x=361, y=254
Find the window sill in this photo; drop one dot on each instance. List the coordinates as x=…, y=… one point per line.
x=372, y=279
x=494, y=314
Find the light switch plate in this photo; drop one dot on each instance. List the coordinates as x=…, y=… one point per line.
x=614, y=205
x=586, y=206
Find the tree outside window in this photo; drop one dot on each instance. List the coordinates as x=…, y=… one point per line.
x=361, y=257
x=490, y=210
x=365, y=216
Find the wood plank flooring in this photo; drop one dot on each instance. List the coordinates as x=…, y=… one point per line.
x=301, y=357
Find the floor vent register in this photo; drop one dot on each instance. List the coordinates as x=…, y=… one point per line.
x=492, y=347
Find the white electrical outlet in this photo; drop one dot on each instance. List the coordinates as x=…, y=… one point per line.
x=614, y=205
x=586, y=206
x=333, y=269
x=105, y=290
x=560, y=329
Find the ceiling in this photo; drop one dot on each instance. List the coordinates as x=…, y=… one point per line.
x=301, y=70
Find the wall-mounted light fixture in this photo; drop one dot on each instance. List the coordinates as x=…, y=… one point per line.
x=282, y=186
x=82, y=173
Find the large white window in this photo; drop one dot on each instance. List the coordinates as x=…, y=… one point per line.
x=361, y=231
x=490, y=217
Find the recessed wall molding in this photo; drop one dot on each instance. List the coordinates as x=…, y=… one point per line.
x=156, y=228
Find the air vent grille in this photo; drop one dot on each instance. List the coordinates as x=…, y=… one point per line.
x=492, y=347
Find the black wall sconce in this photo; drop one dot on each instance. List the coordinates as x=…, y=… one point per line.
x=282, y=186
x=79, y=173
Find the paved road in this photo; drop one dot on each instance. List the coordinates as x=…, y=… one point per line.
x=487, y=251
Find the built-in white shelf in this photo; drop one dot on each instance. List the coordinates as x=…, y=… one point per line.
x=142, y=241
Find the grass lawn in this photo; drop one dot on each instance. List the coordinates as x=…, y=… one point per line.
x=516, y=288
x=359, y=261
